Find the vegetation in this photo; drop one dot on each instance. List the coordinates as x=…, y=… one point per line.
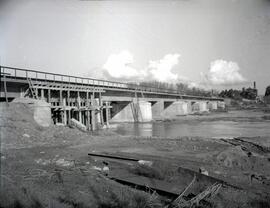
x=248, y=93
x=180, y=88
x=267, y=91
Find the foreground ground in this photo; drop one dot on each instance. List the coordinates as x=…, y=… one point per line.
x=50, y=167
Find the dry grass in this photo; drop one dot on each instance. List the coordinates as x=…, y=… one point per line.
x=76, y=191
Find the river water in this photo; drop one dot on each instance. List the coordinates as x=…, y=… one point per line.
x=215, y=125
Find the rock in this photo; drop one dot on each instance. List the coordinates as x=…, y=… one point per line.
x=145, y=162
x=203, y=171
x=64, y=163
x=105, y=169
x=26, y=135
x=42, y=162
x=96, y=168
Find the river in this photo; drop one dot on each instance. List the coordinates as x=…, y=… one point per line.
x=215, y=125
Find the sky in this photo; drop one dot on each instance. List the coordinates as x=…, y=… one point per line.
x=214, y=43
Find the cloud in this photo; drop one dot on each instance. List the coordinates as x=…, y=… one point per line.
x=224, y=73
x=119, y=66
x=161, y=70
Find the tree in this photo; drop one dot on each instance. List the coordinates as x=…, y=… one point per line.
x=267, y=91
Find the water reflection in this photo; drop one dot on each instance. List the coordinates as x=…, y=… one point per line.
x=232, y=124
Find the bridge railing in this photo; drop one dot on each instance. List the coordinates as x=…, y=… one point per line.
x=18, y=73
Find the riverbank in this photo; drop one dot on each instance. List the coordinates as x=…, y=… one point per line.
x=50, y=167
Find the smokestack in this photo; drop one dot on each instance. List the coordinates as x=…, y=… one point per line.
x=254, y=85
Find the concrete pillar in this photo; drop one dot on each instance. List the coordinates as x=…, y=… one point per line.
x=157, y=109
x=132, y=112
x=189, y=107
x=203, y=106
x=212, y=105
x=144, y=111
x=42, y=112
x=177, y=108
x=199, y=106
x=195, y=106
x=221, y=104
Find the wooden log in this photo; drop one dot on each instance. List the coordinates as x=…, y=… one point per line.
x=79, y=106
x=64, y=112
x=101, y=109
x=107, y=114
x=113, y=157
x=93, y=116
x=88, y=120
x=49, y=96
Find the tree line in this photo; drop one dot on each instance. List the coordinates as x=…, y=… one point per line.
x=180, y=88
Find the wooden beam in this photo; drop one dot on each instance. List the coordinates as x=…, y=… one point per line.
x=49, y=96
x=101, y=109
x=88, y=121
x=93, y=115
x=107, y=114
x=79, y=106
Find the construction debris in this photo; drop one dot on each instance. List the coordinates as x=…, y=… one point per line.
x=77, y=124
x=210, y=192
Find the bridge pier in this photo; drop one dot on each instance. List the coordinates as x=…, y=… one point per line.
x=157, y=108
x=199, y=106
x=134, y=111
x=176, y=108
x=221, y=104
x=212, y=105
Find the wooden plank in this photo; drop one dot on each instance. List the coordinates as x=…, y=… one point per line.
x=112, y=156
x=93, y=116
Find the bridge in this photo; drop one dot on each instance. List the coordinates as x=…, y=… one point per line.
x=92, y=102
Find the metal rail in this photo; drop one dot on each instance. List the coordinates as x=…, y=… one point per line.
x=24, y=74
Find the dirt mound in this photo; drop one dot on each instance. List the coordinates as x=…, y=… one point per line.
x=20, y=130
x=234, y=157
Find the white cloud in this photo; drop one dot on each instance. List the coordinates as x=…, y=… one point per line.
x=224, y=73
x=161, y=70
x=119, y=66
